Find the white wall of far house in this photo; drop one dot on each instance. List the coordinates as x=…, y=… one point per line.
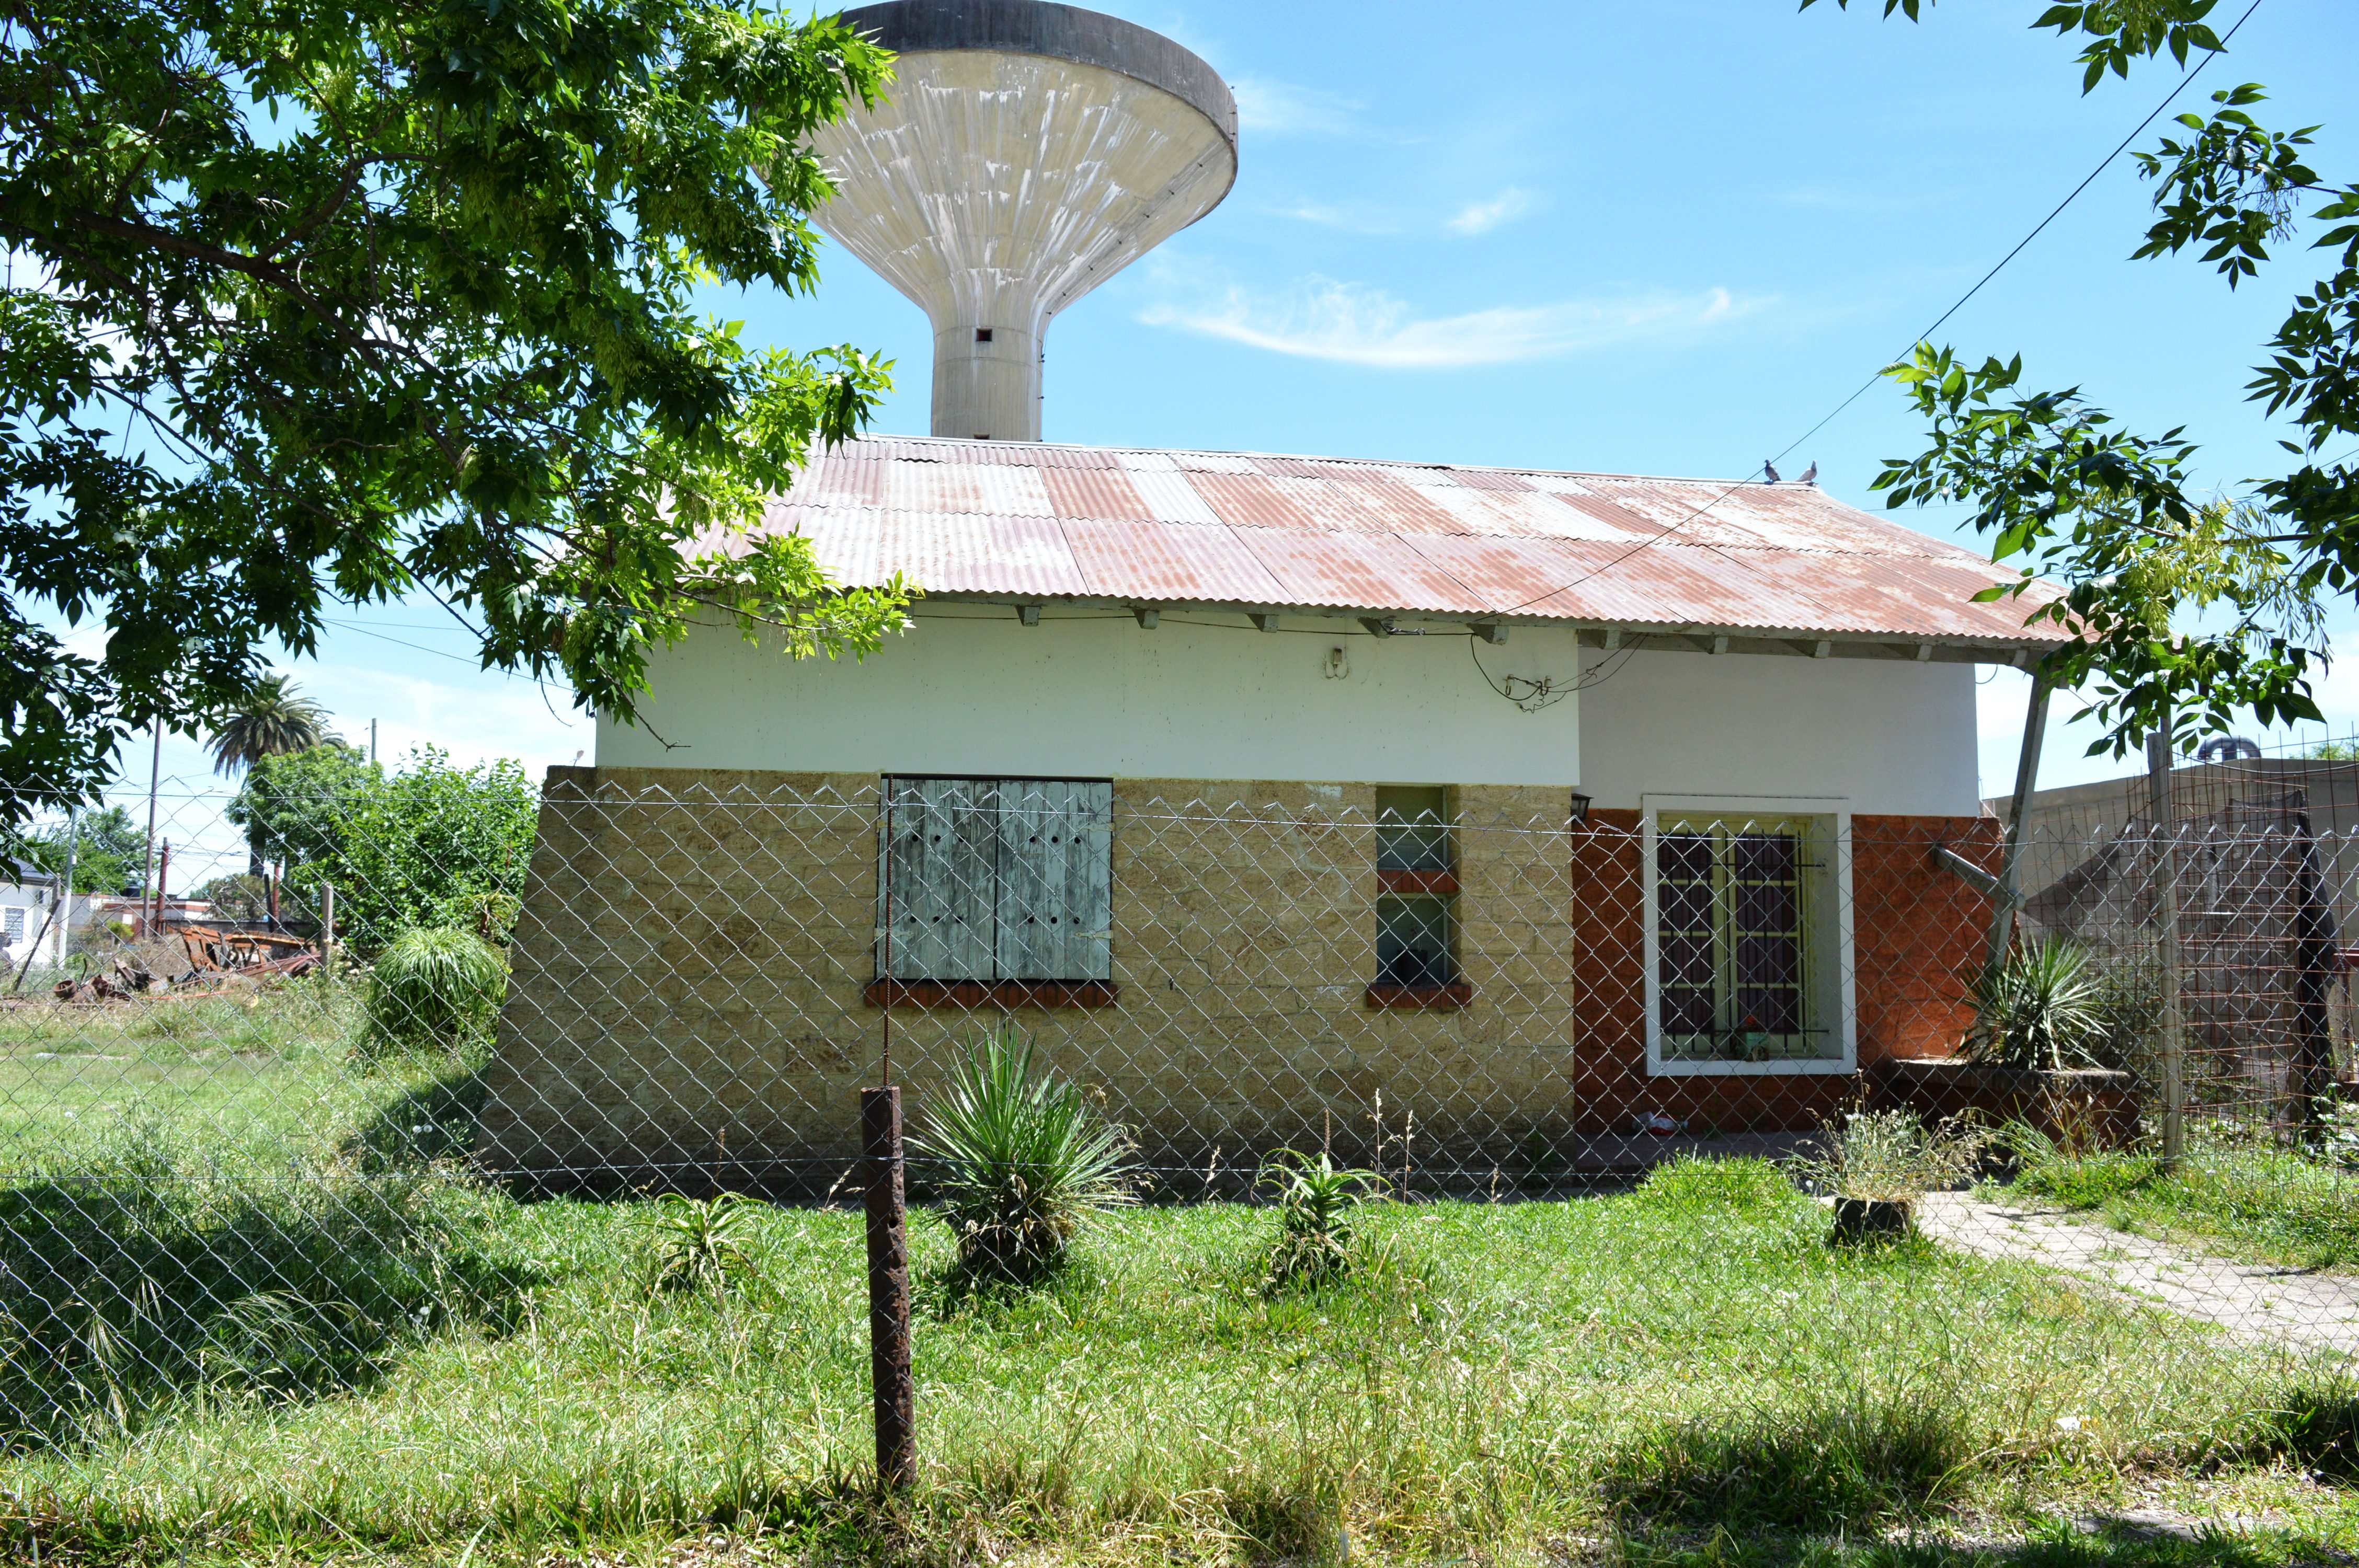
x=1088, y=693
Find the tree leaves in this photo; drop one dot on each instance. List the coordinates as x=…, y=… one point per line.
x=320, y=302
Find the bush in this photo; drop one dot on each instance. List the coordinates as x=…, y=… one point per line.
x=433, y=991
x=1020, y=1163
x=697, y=1245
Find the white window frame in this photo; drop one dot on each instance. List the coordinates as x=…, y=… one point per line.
x=1837, y=810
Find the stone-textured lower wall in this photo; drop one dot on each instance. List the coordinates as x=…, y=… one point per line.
x=687, y=1005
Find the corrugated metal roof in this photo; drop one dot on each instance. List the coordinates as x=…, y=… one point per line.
x=1035, y=521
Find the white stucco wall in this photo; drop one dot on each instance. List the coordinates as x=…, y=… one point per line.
x=1093, y=695
x=1888, y=736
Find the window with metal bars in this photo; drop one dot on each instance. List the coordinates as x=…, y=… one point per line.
x=992, y=880
x=1736, y=957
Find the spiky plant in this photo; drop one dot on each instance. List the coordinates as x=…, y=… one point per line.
x=433, y=990
x=1019, y=1161
x=697, y=1244
x=1317, y=1202
x=2042, y=1008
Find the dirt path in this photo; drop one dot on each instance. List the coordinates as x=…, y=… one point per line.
x=2256, y=1299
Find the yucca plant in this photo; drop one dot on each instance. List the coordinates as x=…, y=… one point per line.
x=2042, y=1008
x=1317, y=1202
x=1019, y=1161
x=697, y=1244
x=433, y=990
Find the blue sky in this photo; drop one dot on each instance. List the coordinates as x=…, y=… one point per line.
x=1662, y=238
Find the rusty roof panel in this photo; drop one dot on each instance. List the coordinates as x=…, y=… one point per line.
x=1356, y=572
x=1160, y=563
x=1257, y=500
x=1175, y=526
x=1105, y=493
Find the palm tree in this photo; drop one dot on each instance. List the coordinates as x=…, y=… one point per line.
x=272, y=722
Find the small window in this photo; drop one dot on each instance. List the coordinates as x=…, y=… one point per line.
x=1412, y=830
x=1744, y=941
x=991, y=879
x=1414, y=945
x=1417, y=909
x=983, y=334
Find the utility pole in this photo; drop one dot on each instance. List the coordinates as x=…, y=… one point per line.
x=154, y=776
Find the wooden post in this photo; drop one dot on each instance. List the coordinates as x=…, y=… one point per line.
x=2027, y=776
x=2164, y=813
x=888, y=1290
x=328, y=926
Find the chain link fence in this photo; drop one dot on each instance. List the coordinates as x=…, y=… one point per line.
x=252, y=1143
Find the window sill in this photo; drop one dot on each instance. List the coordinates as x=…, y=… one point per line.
x=990, y=993
x=1428, y=882
x=1817, y=1066
x=1421, y=999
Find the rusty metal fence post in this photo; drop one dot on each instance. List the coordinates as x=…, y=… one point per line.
x=888, y=1288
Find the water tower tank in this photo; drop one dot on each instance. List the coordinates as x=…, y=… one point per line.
x=1029, y=152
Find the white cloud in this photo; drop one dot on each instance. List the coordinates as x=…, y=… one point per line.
x=1482, y=217
x=1354, y=324
x=1351, y=217
x=1283, y=109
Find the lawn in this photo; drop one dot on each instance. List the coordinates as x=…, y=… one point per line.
x=357, y=1348
x=2242, y=1194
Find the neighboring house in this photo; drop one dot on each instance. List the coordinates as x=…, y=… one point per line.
x=1133, y=757
x=25, y=914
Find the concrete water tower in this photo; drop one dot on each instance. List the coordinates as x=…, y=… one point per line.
x=1030, y=152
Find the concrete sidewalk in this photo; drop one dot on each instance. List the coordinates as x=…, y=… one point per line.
x=2258, y=1299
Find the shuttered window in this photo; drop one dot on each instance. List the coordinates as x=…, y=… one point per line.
x=989, y=879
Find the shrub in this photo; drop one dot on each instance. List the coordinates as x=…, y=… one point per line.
x=1888, y=1156
x=2041, y=1008
x=1019, y=1163
x=433, y=990
x=1317, y=1202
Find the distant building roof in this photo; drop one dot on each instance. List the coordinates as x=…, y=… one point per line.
x=1761, y=564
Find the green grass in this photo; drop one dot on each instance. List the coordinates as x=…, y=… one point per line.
x=1639, y=1370
x=2246, y=1197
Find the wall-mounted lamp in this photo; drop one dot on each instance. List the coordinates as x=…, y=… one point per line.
x=1579, y=809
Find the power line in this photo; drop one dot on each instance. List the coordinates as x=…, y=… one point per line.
x=2187, y=79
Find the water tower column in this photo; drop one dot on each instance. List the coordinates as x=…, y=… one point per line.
x=988, y=382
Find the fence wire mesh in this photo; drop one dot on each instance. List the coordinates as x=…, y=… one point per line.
x=252, y=1137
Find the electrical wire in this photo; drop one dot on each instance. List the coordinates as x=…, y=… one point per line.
x=2187, y=78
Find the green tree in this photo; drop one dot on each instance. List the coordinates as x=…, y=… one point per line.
x=2185, y=609
x=431, y=845
x=293, y=804
x=111, y=849
x=317, y=303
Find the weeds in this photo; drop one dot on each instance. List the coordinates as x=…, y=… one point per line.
x=1887, y=1156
